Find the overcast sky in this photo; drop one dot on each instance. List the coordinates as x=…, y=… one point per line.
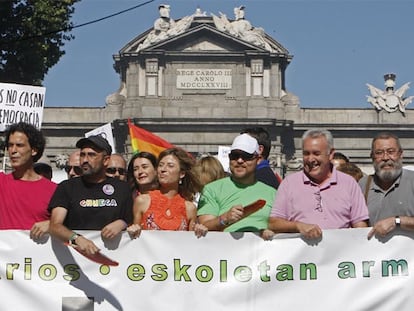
x=337, y=45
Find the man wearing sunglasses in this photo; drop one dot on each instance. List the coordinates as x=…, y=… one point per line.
x=318, y=197
x=264, y=172
x=72, y=167
x=222, y=202
x=92, y=201
x=390, y=191
x=116, y=167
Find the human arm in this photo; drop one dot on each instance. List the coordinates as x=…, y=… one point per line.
x=215, y=210
x=283, y=208
x=112, y=229
x=39, y=229
x=199, y=229
x=387, y=225
x=60, y=231
x=141, y=204
x=267, y=234
x=191, y=212
x=125, y=215
x=309, y=231
x=360, y=224
x=43, y=192
x=219, y=223
x=359, y=211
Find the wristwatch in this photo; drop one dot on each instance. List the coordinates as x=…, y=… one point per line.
x=397, y=221
x=72, y=239
x=223, y=222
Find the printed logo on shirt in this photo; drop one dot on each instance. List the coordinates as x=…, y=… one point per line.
x=108, y=189
x=98, y=203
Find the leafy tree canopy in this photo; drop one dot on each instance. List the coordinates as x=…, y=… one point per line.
x=32, y=36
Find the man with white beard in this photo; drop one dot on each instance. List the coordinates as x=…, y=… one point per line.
x=390, y=191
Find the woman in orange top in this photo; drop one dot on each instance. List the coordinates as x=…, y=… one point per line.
x=170, y=207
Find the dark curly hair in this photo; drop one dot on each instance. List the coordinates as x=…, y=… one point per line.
x=35, y=137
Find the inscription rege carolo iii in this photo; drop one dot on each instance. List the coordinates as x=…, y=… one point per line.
x=206, y=79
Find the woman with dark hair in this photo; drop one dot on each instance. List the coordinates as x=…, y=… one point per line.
x=142, y=173
x=170, y=207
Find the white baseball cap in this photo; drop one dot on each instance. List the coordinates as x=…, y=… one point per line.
x=246, y=143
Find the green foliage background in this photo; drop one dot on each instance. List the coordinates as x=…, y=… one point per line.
x=32, y=37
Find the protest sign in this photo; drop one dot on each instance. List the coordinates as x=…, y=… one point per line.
x=21, y=103
x=106, y=132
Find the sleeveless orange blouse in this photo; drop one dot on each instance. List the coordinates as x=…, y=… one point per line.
x=165, y=213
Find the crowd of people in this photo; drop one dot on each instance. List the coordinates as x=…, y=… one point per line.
x=175, y=191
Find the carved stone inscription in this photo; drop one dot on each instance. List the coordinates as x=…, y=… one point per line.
x=206, y=79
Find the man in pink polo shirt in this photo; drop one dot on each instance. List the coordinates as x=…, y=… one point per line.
x=319, y=197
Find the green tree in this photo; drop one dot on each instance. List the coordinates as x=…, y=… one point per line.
x=32, y=37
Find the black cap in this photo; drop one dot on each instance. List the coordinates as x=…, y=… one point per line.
x=97, y=140
x=41, y=164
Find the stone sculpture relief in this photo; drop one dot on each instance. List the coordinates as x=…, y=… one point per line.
x=165, y=27
x=119, y=97
x=390, y=100
x=242, y=28
x=61, y=160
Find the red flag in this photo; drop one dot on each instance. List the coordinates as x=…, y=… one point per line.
x=142, y=140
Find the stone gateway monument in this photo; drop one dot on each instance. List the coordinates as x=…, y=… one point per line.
x=202, y=79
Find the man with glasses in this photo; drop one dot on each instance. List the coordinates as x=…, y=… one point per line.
x=117, y=167
x=72, y=167
x=222, y=202
x=390, y=191
x=92, y=201
x=318, y=197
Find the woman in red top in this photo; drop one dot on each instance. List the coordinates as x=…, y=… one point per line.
x=171, y=207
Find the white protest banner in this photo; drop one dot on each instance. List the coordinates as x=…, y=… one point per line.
x=175, y=271
x=21, y=103
x=223, y=157
x=106, y=132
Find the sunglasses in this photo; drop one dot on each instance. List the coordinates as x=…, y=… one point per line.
x=241, y=155
x=318, y=201
x=76, y=169
x=113, y=170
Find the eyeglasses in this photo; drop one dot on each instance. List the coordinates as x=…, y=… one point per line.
x=241, y=155
x=113, y=170
x=391, y=152
x=76, y=169
x=318, y=201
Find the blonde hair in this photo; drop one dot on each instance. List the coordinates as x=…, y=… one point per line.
x=208, y=168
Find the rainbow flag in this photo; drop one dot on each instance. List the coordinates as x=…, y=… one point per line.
x=142, y=140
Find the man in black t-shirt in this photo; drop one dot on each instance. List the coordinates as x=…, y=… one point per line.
x=91, y=202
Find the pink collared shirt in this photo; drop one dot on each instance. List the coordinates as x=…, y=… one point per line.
x=337, y=203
